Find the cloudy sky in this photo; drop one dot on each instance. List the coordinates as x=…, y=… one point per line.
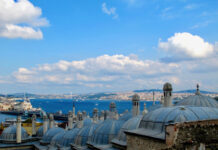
x=107, y=45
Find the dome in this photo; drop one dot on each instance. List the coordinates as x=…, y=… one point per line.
x=198, y=100
x=131, y=124
x=68, y=137
x=126, y=116
x=50, y=134
x=58, y=137
x=9, y=133
x=167, y=87
x=106, y=131
x=154, y=122
x=85, y=134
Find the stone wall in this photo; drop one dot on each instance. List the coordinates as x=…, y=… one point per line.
x=144, y=143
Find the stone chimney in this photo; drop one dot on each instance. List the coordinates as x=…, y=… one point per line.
x=33, y=125
x=84, y=114
x=45, y=124
x=95, y=115
x=167, y=89
x=51, y=121
x=80, y=120
x=135, y=105
x=18, y=130
x=106, y=114
x=102, y=115
x=70, y=120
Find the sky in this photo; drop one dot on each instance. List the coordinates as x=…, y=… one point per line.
x=83, y=46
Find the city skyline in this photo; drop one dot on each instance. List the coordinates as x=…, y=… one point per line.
x=107, y=46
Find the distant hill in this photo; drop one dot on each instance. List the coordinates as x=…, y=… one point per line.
x=183, y=91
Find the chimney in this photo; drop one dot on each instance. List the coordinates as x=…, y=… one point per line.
x=18, y=130
x=80, y=120
x=135, y=105
x=51, y=121
x=145, y=111
x=102, y=115
x=45, y=124
x=167, y=89
x=95, y=115
x=84, y=114
x=33, y=125
x=70, y=120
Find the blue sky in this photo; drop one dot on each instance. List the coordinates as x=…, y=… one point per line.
x=159, y=40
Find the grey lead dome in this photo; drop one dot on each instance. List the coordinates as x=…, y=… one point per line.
x=154, y=122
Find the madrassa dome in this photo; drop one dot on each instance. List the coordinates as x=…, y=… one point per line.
x=9, y=134
x=46, y=139
x=198, y=100
x=105, y=132
x=84, y=135
x=131, y=124
x=68, y=137
x=153, y=123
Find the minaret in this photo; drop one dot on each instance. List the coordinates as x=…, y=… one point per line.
x=33, y=125
x=18, y=130
x=45, y=124
x=197, y=90
x=135, y=105
x=145, y=111
x=51, y=121
x=167, y=89
x=80, y=120
x=95, y=115
x=153, y=98
x=74, y=110
x=70, y=120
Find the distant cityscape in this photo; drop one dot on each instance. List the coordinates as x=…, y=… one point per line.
x=146, y=95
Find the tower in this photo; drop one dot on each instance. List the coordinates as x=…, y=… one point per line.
x=135, y=105
x=74, y=110
x=167, y=89
x=18, y=130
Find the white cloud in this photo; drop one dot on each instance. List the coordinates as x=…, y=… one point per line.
x=95, y=71
x=13, y=13
x=109, y=11
x=187, y=45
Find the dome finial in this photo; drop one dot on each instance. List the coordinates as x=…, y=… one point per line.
x=197, y=90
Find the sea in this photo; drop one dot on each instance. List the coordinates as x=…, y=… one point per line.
x=66, y=105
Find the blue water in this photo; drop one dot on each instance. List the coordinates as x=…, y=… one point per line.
x=87, y=105
x=55, y=105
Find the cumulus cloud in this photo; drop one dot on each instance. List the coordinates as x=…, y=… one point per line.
x=109, y=11
x=100, y=71
x=185, y=45
x=14, y=13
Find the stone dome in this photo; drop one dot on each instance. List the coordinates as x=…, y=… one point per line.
x=58, y=137
x=50, y=134
x=131, y=124
x=167, y=87
x=154, y=122
x=85, y=134
x=198, y=100
x=126, y=116
x=9, y=133
x=106, y=131
x=68, y=137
